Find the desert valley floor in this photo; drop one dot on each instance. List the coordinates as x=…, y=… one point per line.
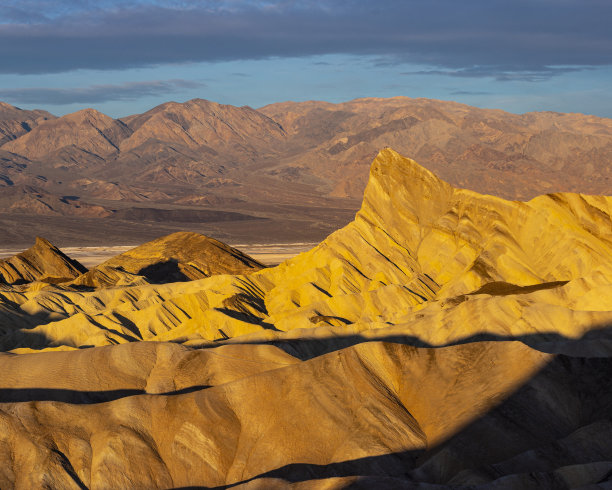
x=268, y=254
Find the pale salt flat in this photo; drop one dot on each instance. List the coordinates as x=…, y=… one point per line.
x=266, y=253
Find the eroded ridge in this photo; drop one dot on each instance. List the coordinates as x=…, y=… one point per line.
x=442, y=337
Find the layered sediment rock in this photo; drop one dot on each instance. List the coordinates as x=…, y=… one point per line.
x=442, y=338
x=42, y=262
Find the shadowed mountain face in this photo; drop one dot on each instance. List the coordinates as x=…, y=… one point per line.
x=302, y=166
x=443, y=337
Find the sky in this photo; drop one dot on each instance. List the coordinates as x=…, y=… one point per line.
x=125, y=57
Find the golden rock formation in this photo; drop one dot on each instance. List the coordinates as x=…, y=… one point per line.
x=42, y=262
x=181, y=256
x=442, y=338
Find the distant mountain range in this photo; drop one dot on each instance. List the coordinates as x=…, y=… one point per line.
x=302, y=167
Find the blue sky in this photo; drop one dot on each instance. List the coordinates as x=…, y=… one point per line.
x=126, y=57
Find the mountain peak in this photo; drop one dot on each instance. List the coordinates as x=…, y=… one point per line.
x=4, y=105
x=179, y=256
x=87, y=129
x=199, y=122
x=43, y=261
x=43, y=243
x=389, y=162
x=399, y=182
x=88, y=114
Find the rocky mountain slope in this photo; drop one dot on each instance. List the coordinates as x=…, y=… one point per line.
x=290, y=163
x=489, y=151
x=28, y=199
x=443, y=337
x=199, y=123
x=84, y=132
x=15, y=122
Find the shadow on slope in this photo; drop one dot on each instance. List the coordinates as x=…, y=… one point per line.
x=388, y=465
x=163, y=272
x=597, y=341
x=552, y=432
x=16, y=395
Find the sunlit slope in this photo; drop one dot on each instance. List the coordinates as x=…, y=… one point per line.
x=427, y=259
x=41, y=262
x=417, y=239
x=176, y=418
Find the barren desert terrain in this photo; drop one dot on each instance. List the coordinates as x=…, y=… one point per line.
x=284, y=173
x=442, y=338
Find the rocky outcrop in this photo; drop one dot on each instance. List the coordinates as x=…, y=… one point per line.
x=182, y=256
x=42, y=262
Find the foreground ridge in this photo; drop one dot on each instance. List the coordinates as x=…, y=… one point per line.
x=439, y=338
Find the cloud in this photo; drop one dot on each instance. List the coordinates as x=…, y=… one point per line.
x=469, y=92
x=529, y=38
x=14, y=14
x=503, y=74
x=95, y=93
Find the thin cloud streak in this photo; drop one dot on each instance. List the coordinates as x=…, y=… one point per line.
x=470, y=92
x=95, y=93
x=502, y=74
x=519, y=36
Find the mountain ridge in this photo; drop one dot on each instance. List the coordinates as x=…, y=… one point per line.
x=290, y=161
x=15, y=122
x=87, y=129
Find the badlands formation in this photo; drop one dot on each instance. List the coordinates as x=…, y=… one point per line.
x=443, y=338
